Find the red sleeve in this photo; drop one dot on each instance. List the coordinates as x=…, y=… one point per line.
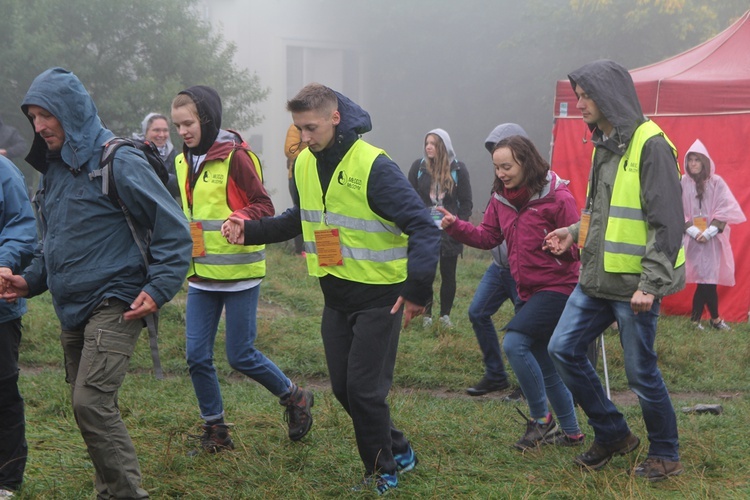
x=246, y=195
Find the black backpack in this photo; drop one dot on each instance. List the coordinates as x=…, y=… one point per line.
x=108, y=155
x=142, y=241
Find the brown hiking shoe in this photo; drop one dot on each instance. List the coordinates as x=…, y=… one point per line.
x=297, y=414
x=598, y=455
x=657, y=469
x=215, y=438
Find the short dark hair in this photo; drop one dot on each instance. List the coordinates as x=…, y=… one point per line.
x=313, y=97
x=534, y=167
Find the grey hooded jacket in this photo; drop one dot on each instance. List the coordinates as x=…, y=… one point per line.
x=611, y=88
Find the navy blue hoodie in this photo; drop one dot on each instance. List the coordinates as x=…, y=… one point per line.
x=389, y=195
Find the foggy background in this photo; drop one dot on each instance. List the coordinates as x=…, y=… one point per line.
x=414, y=65
x=468, y=66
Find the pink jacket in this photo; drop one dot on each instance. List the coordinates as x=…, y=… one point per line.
x=710, y=262
x=532, y=268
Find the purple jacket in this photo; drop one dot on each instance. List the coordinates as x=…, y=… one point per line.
x=531, y=267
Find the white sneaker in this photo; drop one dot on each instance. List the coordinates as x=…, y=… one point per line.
x=719, y=324
x=6, y=493
x=445, y=321
x=426, y=322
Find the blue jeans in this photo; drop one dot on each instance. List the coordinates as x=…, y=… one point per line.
x=203, y=314
x=539, y=380
x=496, y=286
x=582, y=321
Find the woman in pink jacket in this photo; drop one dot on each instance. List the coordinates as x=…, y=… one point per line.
x=528, y=201
x=709, y=208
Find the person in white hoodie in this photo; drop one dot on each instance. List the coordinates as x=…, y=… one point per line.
x=441, y=180
x=709, y=208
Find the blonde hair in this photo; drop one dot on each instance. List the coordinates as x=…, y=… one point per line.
x=184, y=100
x=439, y=167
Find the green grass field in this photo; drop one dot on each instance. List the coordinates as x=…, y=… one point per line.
x=463, y=443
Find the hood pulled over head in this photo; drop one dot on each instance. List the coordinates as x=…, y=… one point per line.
x=60, y=92
x=611, y=87
x=503, y=131
x=446, y=141
x=208, y=103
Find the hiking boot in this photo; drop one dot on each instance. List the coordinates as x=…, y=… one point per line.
x=381, y=483
x=215, y=438
x=514, y=397
x=562, y=439
x=598, y=454
x=485, y=386
x=406, y=461
x=536, y=433
x=297, y=414
x=657, y=469
x=719, y=324
x=445, y=321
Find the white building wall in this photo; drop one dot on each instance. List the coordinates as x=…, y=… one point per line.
x=266, y=32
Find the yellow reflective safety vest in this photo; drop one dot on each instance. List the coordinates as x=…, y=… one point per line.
x=373, y=249
x=222, y=261
x=627, y=229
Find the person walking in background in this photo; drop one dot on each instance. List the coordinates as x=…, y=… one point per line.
x=12, y=143
x=155, y=129
x=18, y=236
x=527, y=202
x=219, y=177
x=630, y=235
x=101, y=286
x=443, y=181
x=293, y=146
x=709, y=208
x=496, y=286
x=373, y=246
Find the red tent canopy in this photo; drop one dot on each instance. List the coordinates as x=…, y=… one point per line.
x=702, y=93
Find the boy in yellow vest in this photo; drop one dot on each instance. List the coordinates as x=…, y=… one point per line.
x=372, y=243
x=630, y=236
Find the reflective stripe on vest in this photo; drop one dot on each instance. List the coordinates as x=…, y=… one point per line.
x=627, y=229
x=223, y=261
x=373, y=249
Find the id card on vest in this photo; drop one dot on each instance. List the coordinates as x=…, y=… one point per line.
x=196, y=233
x=328, y=245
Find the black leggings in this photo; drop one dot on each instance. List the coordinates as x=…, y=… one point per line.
x=705, y=296
x=447, y=285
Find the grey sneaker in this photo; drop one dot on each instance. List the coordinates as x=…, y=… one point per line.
x=536, y=433
x=719, y=324
x=426, y=322
x=562, y=439
x=445, y=321
x=514, y=397
x=657, y=469
x=486, y=386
